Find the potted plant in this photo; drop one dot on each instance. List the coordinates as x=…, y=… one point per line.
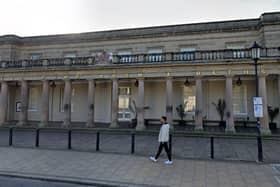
x=181, y=113
x=272, y=112
x=221, y=107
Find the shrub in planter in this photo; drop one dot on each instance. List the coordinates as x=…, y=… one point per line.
x=221, y=107
x=272, y=112
x=181, y=113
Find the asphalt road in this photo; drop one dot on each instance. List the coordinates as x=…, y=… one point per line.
x=21, y=182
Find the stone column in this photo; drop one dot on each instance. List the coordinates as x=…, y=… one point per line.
x=169, y=100
x=198, y=104
x=45, y=104
x=140, y=103
x=264, y=121
x=229, y=106
x=91, y=95
x=67, y=103
x=3, y=102
x=114, y=104
x=23, y=115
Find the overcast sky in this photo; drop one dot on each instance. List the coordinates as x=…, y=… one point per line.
x=42, y=17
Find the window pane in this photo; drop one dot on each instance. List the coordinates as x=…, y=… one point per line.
x=240, y=99
x=189, y=98
x=33, y=98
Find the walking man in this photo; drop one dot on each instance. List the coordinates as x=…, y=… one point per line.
x=163, y=139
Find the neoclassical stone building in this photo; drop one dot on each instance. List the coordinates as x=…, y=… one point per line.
x=115, y=76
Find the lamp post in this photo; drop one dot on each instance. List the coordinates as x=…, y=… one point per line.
x=256, y=53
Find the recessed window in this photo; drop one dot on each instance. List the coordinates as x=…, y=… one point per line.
x=240, y=99
x=189, y=99
x=33, y=99
x=124, y=113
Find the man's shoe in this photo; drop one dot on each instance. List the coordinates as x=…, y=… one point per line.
x=153, y=159
x=168, y=162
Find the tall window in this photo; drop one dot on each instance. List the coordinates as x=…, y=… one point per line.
x=240, y=100
x=187, y=53
x=33, y=99
x=189, y=99
x=124, y=114
x=155, y=55
x=61, y=99
x=238, y=51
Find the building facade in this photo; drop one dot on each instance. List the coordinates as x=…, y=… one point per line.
x=115, y=76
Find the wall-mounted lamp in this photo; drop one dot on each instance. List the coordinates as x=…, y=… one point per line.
x=239, y=81
x=136, y=83
x=187, y=83
x=53, y=85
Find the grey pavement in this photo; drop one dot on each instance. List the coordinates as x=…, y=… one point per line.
x=183, y=147
x=23, y=182
x=131, y=170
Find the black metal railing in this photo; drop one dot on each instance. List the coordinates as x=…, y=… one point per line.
x=214, y=144
x=169, y=57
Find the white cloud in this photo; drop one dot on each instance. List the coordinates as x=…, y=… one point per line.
x=37, y=17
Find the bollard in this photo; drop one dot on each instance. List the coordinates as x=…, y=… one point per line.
x=69, y=139
x=170, y=144
x=212, y=146
x=37, y=138
x=132, y=143
x=11, y=136
x=97, y=140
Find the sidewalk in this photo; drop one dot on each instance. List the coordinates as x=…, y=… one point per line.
x=128, y=170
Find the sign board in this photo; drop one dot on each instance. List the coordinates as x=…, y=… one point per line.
x=258, y=107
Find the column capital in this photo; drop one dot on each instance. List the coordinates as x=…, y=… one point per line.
x=169, y=78
x=229, y=76
x=198, y=76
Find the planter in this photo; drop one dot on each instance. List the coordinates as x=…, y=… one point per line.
x=272, y=125
x=181, y=122
x=222, y=124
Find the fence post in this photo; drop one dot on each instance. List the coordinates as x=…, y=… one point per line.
x=170, y=144
x=132, y=143
x=69, y=139
x=97, y=140
x=212, y=146
x=11, y=136
x=37, y=137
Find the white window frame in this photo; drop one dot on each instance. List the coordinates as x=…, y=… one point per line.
x=124, y=111
x=238, y=113
x=185, y=99
x=33, y=107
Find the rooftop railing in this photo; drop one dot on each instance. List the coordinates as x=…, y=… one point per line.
x=203, y=56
